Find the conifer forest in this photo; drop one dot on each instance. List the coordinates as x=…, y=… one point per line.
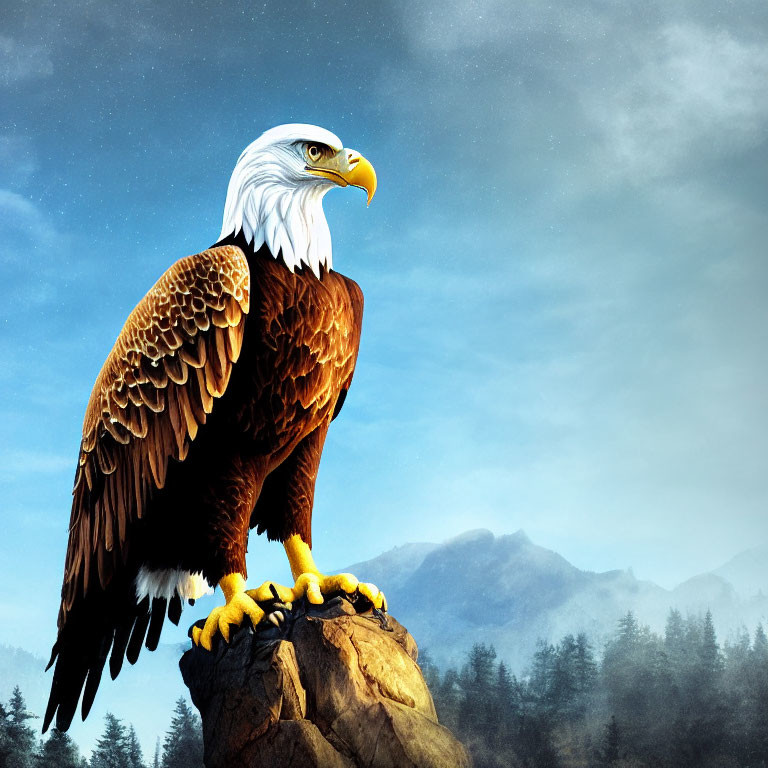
x=642, y=700
x=118, y=747
x=680, y=700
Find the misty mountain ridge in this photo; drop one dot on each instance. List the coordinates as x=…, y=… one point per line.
x=476, y=587
x=747, y=572
x=508, y=591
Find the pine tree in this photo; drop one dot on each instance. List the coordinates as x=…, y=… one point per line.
x=708, y=730
x=429, y=670
x=736, y=660
x=477, y=711
x=542, y=676
x=674, y=634
x=757, y=699
x=564, y=687
x=135, y=756
x=736, y=685
x=506, y=694
x=112, y=748
x=586, y=669
x=5, y=740
x=19, y=737
x=760, y=646
x=58, y=750
x=156, y=762
x=629, y=631
x=709, y=650
x=447, y=700
x=611, y=743
x=183, y=746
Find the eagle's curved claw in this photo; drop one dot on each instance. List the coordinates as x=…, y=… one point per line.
x=315, y=585
x=374, y=594
x=237, y=608
x=270, y=590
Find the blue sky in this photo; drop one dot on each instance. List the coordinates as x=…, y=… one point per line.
x=565, y=266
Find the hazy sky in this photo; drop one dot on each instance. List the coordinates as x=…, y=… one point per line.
x=565, y=266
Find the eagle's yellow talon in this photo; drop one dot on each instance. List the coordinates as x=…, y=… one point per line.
x=345, y=582
x=308, y=585
x=239, y=605
x=371, y=591
x=264, y=592
x=314, y=593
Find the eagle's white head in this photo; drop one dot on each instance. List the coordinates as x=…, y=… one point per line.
x=275, y=195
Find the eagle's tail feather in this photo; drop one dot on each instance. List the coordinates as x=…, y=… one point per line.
x=76, y=653
x=174, y=609
x=122, y=635
x=94, y=673
x=139, y=631
x=101, y=621
x=156, y=622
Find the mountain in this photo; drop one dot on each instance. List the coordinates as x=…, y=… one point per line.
x=748, y=572
x=510, y=592
x=393, y=567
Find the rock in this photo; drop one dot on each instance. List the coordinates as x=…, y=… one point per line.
x=330, y=687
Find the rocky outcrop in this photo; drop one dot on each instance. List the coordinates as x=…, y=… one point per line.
x=330, y=688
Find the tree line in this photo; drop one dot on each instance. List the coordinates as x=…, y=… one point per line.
x=672, y=700
x=118, y=746
x=647, y=700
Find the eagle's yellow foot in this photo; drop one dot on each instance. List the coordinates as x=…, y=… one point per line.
x=239, y=604
x=313, y=584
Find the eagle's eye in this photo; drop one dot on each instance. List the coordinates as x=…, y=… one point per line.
x=314, y=152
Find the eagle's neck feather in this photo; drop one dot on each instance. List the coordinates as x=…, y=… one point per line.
x=285, y=215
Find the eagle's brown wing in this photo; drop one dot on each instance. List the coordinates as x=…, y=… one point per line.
x=172, y=358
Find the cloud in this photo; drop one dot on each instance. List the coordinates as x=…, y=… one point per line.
x=27, y=240
x=20, y=62
x=457, y=25
x=583, y=97
x=21, y=217
x=697, y=94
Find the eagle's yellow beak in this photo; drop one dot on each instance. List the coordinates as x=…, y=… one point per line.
x=360, y=173
x=346, y=167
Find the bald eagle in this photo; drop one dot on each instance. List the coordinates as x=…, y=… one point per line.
x=208, y=419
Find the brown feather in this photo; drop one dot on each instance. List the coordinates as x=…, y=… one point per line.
x=108, y=542
x=176, y=369
x=117, y=430
x=234, y=342
x=177, y=423
x=157, y=375
x=205, y=397
x=152, y=397
x=221, y=362
x=134, y=394
x=186, y=411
